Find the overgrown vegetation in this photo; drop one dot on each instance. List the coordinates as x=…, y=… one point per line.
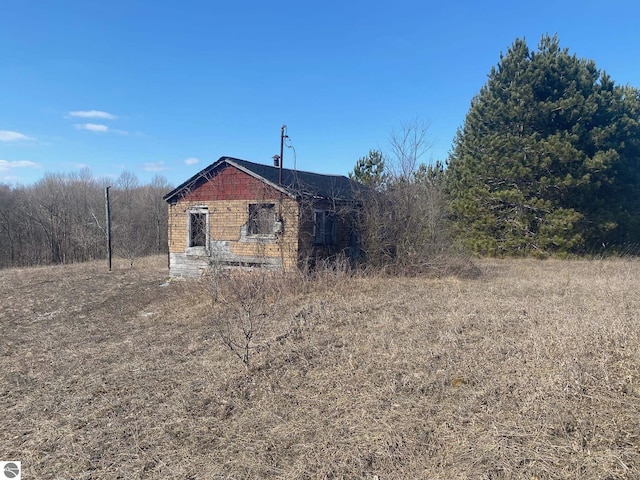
x=244, y=304
x=546, y=163
x=547, y=159
x=532, y=371
x=403, y=221
x=61, y=219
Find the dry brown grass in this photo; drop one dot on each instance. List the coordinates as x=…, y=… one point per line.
x=530, y=371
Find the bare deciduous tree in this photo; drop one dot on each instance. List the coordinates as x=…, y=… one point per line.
x=60, y=219
x=409, y=145
x=245, y=301
x=404, y=221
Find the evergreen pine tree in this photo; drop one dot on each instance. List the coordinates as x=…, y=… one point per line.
x=370, y=170
x=548, y=158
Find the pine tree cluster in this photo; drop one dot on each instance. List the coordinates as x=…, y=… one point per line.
x=548, y=159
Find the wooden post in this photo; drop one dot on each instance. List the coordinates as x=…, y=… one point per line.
x=108, y=207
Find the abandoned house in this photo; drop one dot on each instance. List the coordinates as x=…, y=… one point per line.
x=239, y=213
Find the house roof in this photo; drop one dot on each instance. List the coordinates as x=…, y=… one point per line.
x=295, y=183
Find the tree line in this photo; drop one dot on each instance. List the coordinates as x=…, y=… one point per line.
x=547, y=162
x=62, y=219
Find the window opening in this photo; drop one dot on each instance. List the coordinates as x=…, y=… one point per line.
x=197, y=229
x=324, y=227
x=262, y=218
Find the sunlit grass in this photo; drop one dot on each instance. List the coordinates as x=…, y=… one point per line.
x=531, y=370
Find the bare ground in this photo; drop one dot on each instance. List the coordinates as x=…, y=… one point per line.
x=531, y=371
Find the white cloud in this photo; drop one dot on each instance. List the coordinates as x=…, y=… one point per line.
x=191, y=161
x=92, y=127
x=9, y=136
x=6, y=165
x=93, y=114
x=154, y=167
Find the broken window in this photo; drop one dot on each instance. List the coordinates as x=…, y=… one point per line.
x=262, y=219
x=198, y=228
x=324, y=227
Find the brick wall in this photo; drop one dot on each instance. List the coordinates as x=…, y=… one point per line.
x=226, y=221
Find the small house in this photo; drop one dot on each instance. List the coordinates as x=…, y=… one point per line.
x=236, y=213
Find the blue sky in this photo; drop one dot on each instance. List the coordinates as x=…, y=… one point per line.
x=160, y=87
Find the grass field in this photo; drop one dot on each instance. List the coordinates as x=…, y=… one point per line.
x=530, y=370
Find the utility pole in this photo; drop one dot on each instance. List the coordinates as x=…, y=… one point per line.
x=277, y=162
x=282, y=137
x=108, y=207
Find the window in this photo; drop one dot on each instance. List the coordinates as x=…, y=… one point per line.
x=262, y=219
x=198, y=227
x=324, y=228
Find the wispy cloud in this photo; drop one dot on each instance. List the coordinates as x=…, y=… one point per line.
x=93, y=114
x=92, y=127
x=9, y=136
x=6, y=165
x=154, y=166
x=191, y=161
